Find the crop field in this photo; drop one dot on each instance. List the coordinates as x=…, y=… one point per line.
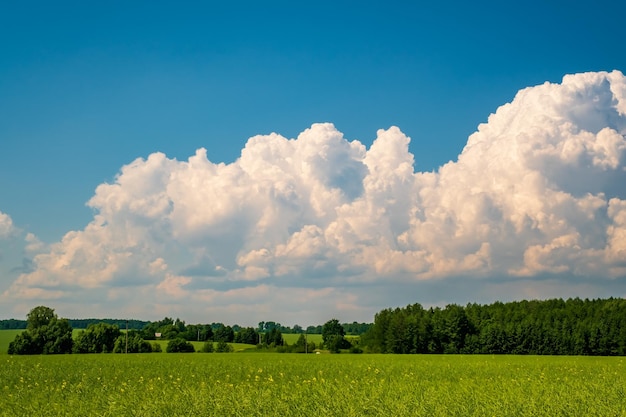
x=245, y=384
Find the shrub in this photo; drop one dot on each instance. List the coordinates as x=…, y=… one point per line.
x=223, y=347
x=179, y=345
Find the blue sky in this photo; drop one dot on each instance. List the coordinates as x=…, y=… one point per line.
x=86, y=89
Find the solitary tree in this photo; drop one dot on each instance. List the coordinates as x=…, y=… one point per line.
x=333, y=336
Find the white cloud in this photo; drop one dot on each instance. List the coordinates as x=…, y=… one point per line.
x=537, y=192
x=7, y=229
x=33, y=244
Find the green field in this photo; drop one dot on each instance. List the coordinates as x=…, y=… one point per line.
x=291, y=338
x=246, y=384
x=6, y=337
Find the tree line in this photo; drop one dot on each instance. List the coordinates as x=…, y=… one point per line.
x=15, y=324
x=46, y=333
x=549, y=327
x=353, y=328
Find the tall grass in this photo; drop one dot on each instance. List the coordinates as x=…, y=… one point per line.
x=248, y=384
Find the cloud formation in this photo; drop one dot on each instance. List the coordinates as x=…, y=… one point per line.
x=7, y=229
x=536, y=199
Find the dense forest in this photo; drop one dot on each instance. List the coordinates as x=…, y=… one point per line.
x=550, y=327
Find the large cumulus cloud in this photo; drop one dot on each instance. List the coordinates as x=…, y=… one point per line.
x=313, y=223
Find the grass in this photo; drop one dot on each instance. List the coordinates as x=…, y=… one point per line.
x=291, y=338
x=248, y=384
x=6, y=337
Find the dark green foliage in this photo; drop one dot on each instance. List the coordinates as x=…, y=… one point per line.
x=356, y=349
x=247, y=335
x=97, y=338
x=302, y=345
x=223, y=347
x=268, y=326
x=12, y=324
x=273, y=338
x=40, y=316
x=179, y=345
x=314, y=329
x=332, y=328
x=355, y=328
x=168, y=328
x=197, y=332
x=23, y=344
x=336, y=343
x=333, y=336
x=551, y=327
x=78, y=323
x=132, y=324
x=135, y=343
x=45, y=334
x=208, y=347
x=224, y=334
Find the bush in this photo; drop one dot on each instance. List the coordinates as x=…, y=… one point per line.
x=135, y=344
x=179, y=345
x=23, y=345
x=223, y=347
x=356, y=349
x=156, y=347
x=208, y=347
x=97, y=338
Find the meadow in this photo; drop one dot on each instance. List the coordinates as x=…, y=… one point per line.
x=291, y=338
x=245, y=384
x=6, y=337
